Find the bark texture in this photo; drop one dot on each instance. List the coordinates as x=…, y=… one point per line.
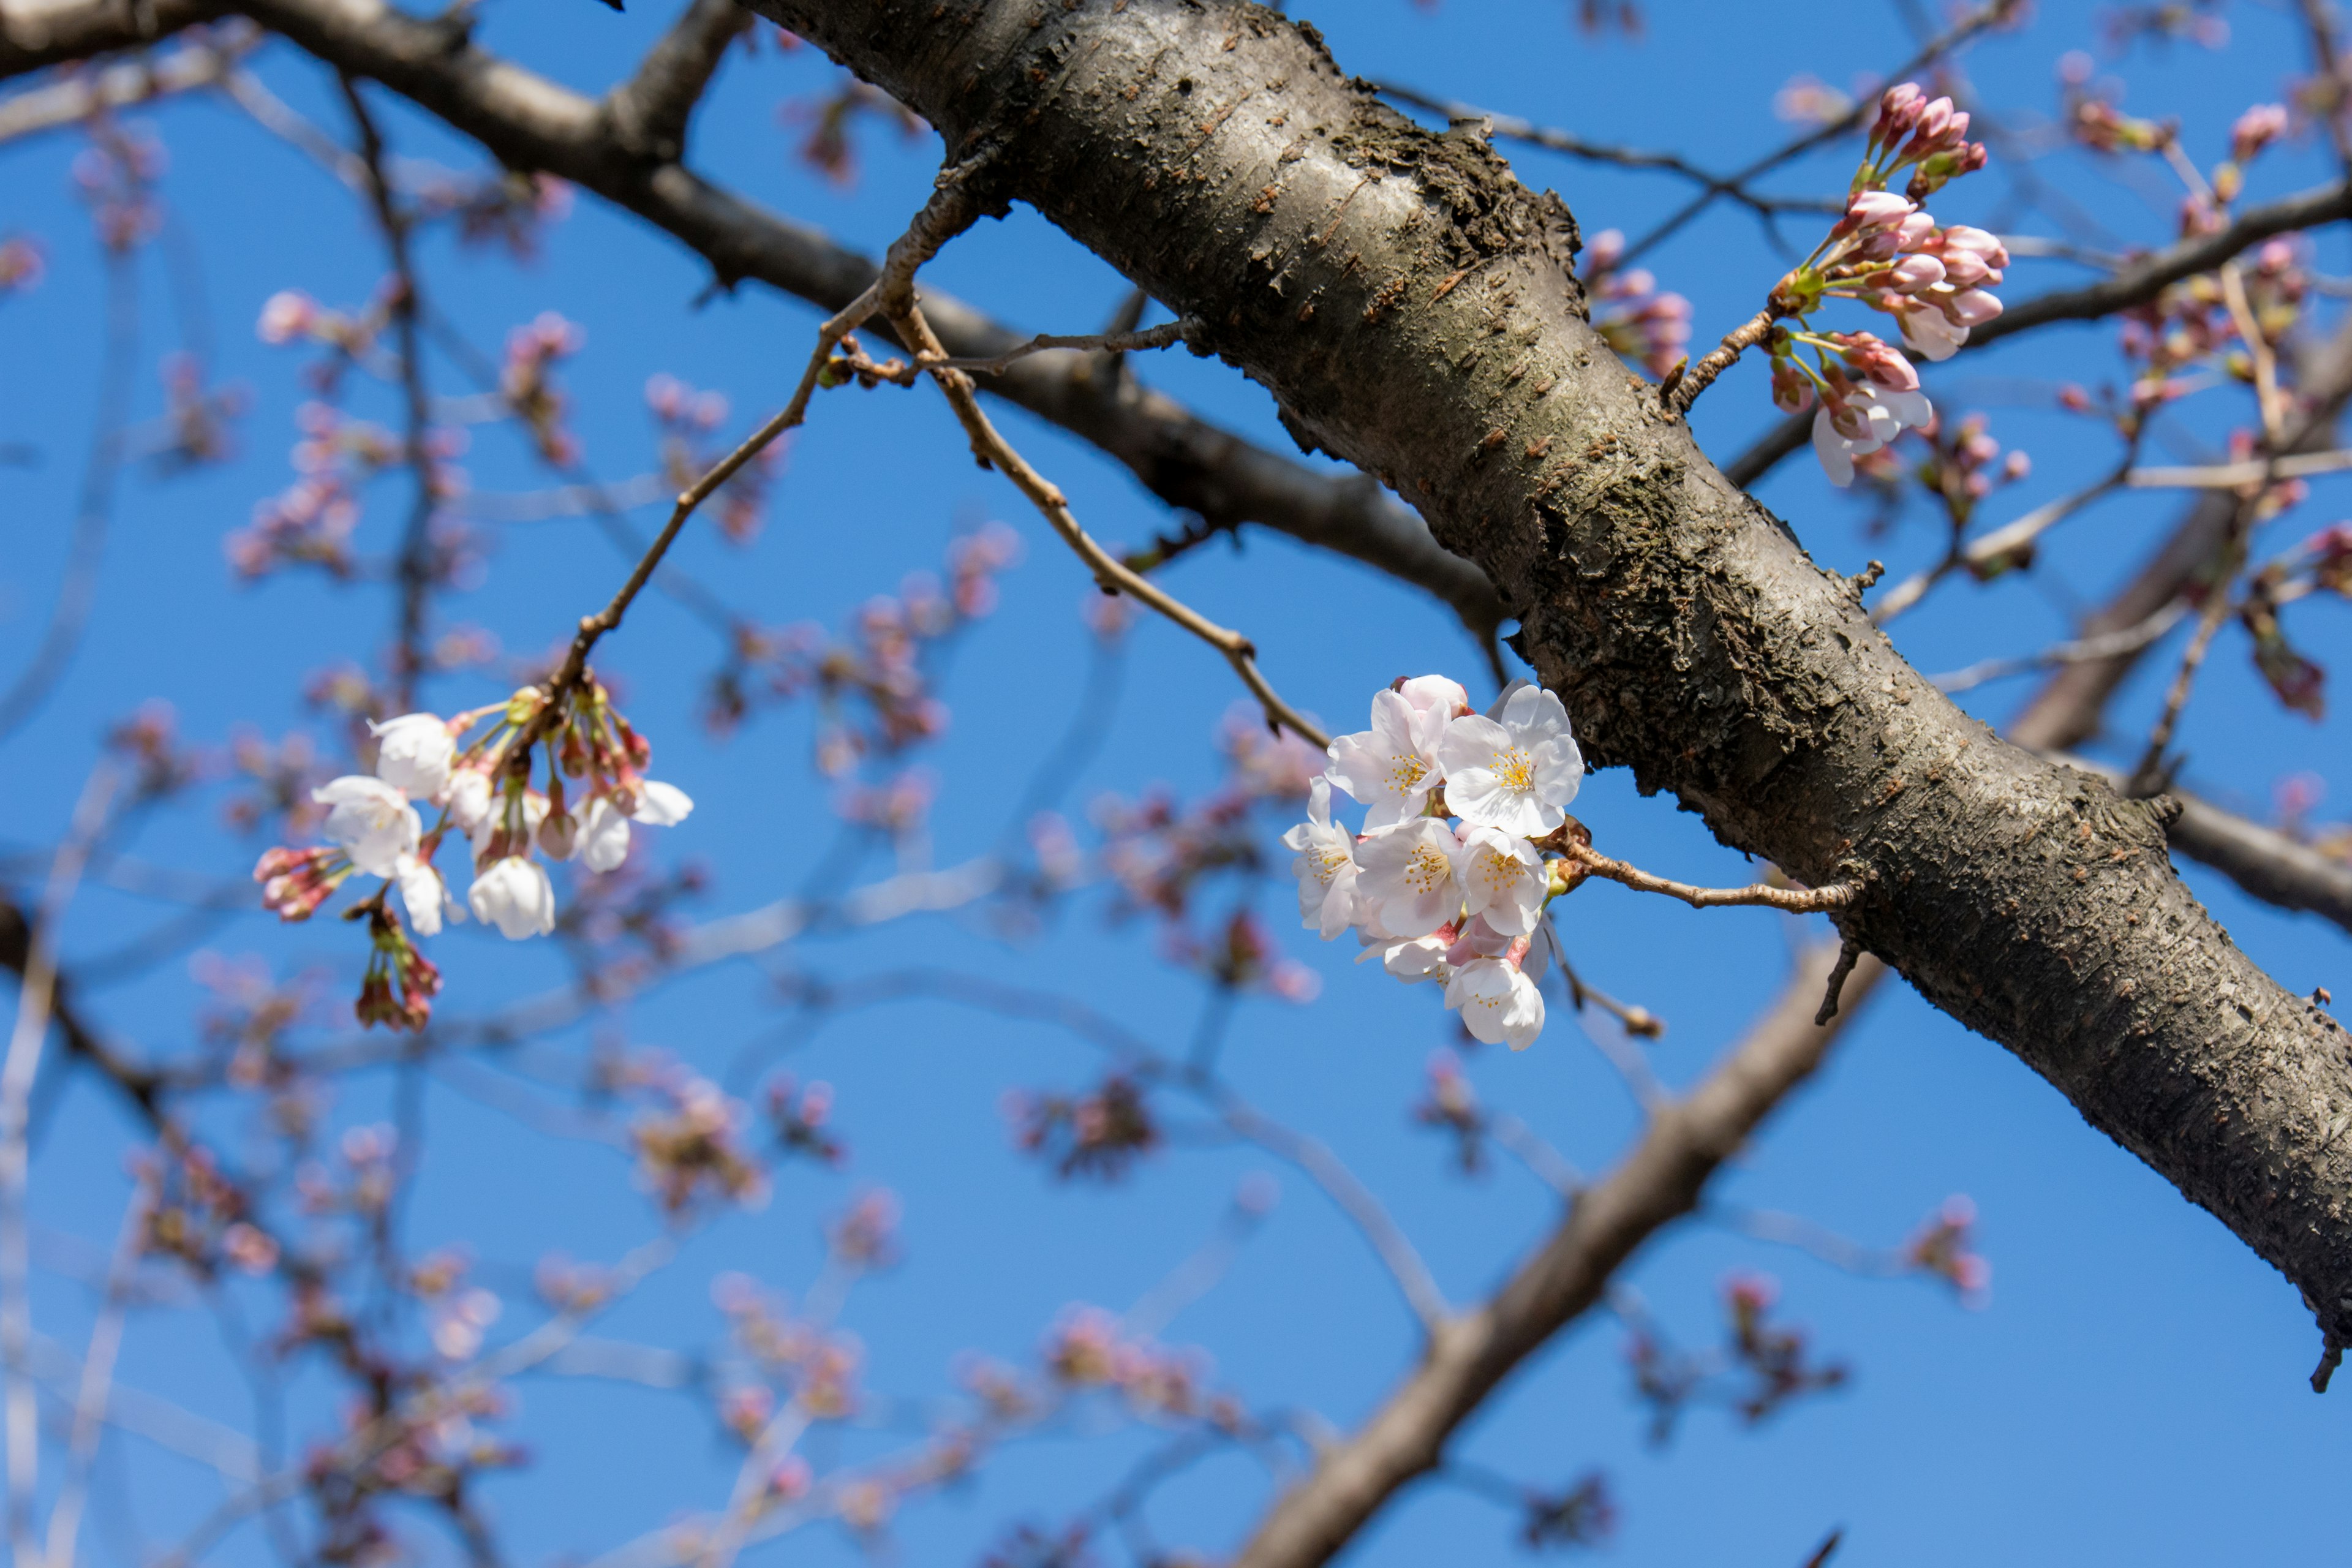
x=1412, y=308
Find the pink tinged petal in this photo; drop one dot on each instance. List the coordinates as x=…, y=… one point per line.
x=1831, y=448
x=661, y=804
x=1435, y=694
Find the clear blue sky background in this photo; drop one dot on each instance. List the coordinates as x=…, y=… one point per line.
x=2135, y=1391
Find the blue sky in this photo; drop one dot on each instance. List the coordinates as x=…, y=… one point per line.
x=2133, y=1392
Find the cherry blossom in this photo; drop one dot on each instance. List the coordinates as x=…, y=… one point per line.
x=1503, y=879
x=1325, y=866
x=1498, y=1003
x=1515, y=768
x=424, y=895
x=369, y=820
x=1392, y=766
x=514, y=895
x=1405, y=880
x=414, y=753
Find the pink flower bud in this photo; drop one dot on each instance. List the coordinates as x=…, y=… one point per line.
x=2256, y=129
x=1881, y=362
x=1916, y=272
x=1966, y=270
x=1972, y=308
x=1934, y=120
x=1877, y=209
x=1957, y=130
x=1898, y=111
x=1976, y=241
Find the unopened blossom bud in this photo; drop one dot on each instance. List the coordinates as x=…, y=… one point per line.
x=1914, y=273
x=1881, y=362
x=558, y=834
x=2255, y=130
x=1793, y=392
x=295, y=882
x=1966, y=270
x=1972, y=308
x=469, y=799
x=640, y=750
x=286, y=316
x=1875, y=209
x=1898, y=112
x=1934, y=119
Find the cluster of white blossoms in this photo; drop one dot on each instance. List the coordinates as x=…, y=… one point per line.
x=483, y=792
x=1447, y=882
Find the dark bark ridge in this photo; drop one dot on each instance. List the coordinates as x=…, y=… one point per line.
x=1409, y=305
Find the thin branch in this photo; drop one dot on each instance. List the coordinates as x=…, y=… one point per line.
x=1165, y=336
x=1511, y=128
x=650, y=111
x=1863, y=110
x=1113, y=574
x=413, y=569
x=2076, y=650
x=35, y=993
x=92, y=1398
x=1797, y=900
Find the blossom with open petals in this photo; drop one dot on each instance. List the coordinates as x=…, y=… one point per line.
x=369, y=820
x=1411, y=959
x=514, y=895
x=603, y=840
x=1515, y=770
x=469, y=799
x=1866, y=417
x=1404, y=882
x=414, y=752
x=1325, y=866
x=660, y=804
x=1503, y=879
x=426, y=895
x=1392, y=766
x=1499, y=1005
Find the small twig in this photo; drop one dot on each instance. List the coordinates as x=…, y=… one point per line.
x=1165, y=335
x=1796, y=900
x=1849, y=954
x=414, y=567
x=2249, y=328
x=1679, y=391
x=1112, y=574
x=1821, y=1553
x=2237, y=475
x=2331, y=1356
x=2080, y=650
x=2176, y=697
x=96, y=1385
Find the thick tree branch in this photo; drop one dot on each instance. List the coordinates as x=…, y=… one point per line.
x=1410, y=307
x=651, y=109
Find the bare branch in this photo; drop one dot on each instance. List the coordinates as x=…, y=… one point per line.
x=1797, y=900
x=650, y=111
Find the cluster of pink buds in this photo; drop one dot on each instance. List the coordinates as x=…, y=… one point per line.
x=1100, y=1135
x=291, y=316
x=484, y=791
x=1462, y=905
x=1644, y=325
x=1089, y=1348
x=508, y=207
x=526, y=383
x=1942, y=1248
x=117, y=175
x=401, y=982
x=1890, y=255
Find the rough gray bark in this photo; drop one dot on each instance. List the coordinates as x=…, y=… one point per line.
x=1410, y=307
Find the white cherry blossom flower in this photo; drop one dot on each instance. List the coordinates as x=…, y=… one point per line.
x=1325, y=866
x=1411, y=960
x=1499, y=1005
x=660, y=804
x=1405, y=884
x=414, y=753
x=1517, y=770
x=469, y=799
x=369, y=820
x=426, y=895
x=1435, y=694
x=1392, y=766
x=603, y=841
x=514, y=895
x=1503, y=879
